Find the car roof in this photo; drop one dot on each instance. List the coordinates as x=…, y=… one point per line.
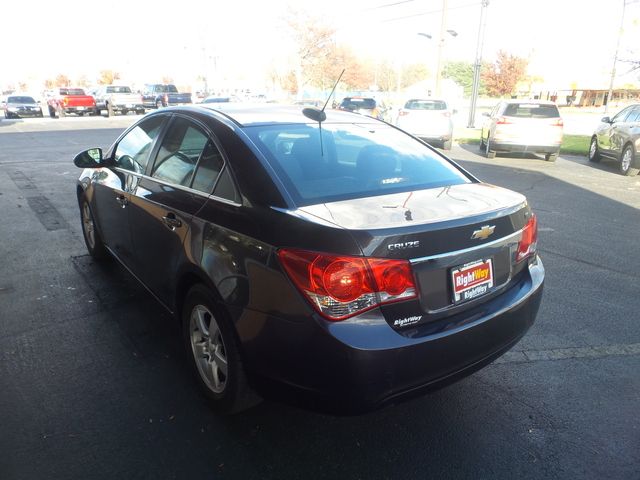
x=245, y=114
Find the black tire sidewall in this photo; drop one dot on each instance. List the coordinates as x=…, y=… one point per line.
x=225, y=401
x=98, y=251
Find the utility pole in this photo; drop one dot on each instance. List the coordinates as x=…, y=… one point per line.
x=615, y=59
x=478, y=64
x=443, y=30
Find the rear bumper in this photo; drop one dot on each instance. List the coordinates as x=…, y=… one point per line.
x=501, y=146
x=363, y=364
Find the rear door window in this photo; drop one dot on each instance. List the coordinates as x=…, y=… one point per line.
x=622, y=116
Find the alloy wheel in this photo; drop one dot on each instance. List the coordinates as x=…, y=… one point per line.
x=87, y=225
x=208, y=348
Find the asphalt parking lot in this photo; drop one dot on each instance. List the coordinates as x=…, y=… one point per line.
x=93, y=383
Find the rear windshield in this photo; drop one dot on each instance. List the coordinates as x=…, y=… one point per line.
x=425, y=105
x=20, y=100
x=531, y=110
x=114, y=89
x=166, y=88
x=358, y=103
x=354, y=161
x=71, y=91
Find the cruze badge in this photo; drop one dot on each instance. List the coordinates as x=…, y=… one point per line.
x=484, y=232
x=403, y=245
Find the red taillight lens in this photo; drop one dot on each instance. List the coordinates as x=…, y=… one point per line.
x=446, y=114
x=558, y=122
x=503, y=121
x=403, y=113
x=341, y=286
x=65, y=101
x=529, y=241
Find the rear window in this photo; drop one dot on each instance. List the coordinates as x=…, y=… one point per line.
x=531, y=110
x=425, y=105
x=115, y=89
x=352, y=161
x=71, y=91
x=358, y=103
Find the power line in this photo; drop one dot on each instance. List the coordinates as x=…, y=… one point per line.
x=390, y=5
x=467, y=5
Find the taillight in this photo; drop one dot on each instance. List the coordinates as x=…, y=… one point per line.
x=503, y=121
x=65, y=101
x=402, y=113
x=166, y=99
x=557, y=122
x=446, y=114
x=341, y=286
x=529, y=241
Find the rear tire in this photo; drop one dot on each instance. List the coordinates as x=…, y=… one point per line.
x=627, y=159
x=213, y=353
x=52, y=112
x=487, y=149
x=92, y=238
x=447, y=145
x=594, y=151
x=551, y=157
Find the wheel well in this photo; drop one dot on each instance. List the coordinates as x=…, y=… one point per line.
x=184, y=284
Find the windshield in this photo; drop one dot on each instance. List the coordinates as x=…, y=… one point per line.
x=354, y=161
x=20, y=100
x=358, y=103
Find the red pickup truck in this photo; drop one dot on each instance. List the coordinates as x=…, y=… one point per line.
x=71, y=100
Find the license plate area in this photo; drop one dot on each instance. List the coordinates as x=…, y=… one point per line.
x=472, y=280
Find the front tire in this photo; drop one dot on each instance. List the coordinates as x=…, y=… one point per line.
x=594, y=151
x=627, y=159
x=213, y=353
x=92, y=238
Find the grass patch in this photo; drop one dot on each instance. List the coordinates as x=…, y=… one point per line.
x=575, y=144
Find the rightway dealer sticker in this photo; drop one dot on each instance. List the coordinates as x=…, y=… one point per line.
x=472, y=280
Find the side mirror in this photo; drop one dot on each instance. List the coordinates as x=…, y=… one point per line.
x=606, y=120
x=91, y=158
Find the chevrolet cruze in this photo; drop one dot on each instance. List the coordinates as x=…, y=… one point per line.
x=326, y=259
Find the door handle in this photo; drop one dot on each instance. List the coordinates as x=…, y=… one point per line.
x=171, y=221
x=122, y=200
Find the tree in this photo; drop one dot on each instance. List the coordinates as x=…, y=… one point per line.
x=414, y=73
x=462, y=74
x=501, y=77
x=62, y=81
x=107, y=77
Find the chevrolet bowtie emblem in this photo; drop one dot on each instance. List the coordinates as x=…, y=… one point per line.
x=484, y=232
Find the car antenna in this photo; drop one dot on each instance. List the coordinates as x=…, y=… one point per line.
x=319, y=115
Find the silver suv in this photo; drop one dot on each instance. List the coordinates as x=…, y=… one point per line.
x=615, y=138
x=533, y=126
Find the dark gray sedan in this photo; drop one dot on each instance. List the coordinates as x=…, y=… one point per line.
x=618, y=139
x=19, y=106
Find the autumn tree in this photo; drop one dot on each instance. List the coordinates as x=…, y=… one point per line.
x=107, y=77
x=412, y=74
x=501, y=77
x=62, y=81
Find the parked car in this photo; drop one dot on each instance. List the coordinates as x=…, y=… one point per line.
x=20, y=106
x=216, y=99
x=335, y=262
x=118, y=99
x=533, y=126
x=362, y=105
x=66, y=100
x=428, y=119
x=618, y=139
x=158, y=95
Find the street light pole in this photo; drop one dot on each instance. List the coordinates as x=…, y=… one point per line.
x=615, y=59
x=478, y=64
x=443, y=29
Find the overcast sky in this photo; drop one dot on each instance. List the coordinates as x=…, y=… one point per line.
x=565, y=40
